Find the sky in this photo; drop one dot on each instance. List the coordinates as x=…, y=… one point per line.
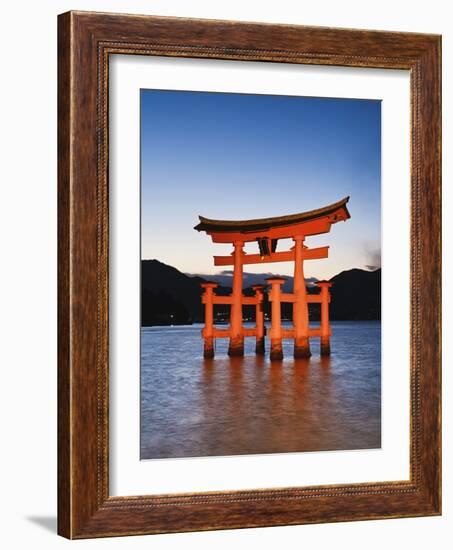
x=239, y=156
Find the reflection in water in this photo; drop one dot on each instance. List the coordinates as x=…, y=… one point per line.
x=192, y=406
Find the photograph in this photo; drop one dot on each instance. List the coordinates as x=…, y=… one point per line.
x=260, y=274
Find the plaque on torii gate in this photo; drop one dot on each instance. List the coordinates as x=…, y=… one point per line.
x=266, y=232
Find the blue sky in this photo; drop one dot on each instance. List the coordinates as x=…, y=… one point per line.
x=238, y=156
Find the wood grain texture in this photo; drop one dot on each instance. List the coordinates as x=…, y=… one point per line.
x=85, y=42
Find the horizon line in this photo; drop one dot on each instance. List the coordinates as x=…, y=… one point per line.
x=227, y=272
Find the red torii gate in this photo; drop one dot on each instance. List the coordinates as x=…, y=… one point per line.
x=266, y=232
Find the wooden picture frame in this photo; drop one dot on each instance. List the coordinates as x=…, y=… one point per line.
x=85, y=42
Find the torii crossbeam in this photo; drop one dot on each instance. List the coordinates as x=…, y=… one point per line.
x=266, y=232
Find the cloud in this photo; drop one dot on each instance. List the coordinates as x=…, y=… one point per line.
x=373, y=257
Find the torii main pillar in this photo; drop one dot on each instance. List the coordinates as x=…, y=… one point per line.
x=300, y=306
x=236, y=347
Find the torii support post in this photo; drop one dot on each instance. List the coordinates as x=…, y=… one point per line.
x=300, y=306
x=259, y=295
x=208, y=331
x=276, y=319
x=236, y=347
x=325, y=324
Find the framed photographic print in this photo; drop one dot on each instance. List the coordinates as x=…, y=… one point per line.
x=249, y=275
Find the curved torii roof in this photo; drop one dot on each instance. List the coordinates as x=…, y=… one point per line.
x=337, y=211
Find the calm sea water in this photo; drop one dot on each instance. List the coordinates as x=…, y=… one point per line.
x=231, y=406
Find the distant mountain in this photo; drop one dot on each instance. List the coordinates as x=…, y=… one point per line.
x=170, y=297
x=356, y=294
x=225, y=278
